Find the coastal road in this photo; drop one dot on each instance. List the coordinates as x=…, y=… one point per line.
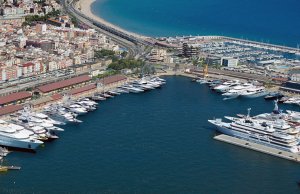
x=133, y=45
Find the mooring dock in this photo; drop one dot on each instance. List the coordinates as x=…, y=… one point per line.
x=258, y=147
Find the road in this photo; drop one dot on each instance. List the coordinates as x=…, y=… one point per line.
x=133, y=45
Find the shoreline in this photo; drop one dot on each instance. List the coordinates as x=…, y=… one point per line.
x=86, y=9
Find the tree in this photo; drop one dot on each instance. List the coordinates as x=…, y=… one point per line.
x=126, y=64
x=124, y=54
x=104, y=53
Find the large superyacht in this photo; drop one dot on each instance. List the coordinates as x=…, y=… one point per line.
x=273, y=133
x=16, y=136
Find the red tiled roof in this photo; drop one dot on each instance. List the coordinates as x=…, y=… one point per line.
x=56, y=96
x=14, y=97
x=28, y=64
x=82, y=89
x=64, y=83
x=10, y=109
x=112, y=79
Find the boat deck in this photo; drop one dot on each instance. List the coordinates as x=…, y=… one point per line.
x=257, y=147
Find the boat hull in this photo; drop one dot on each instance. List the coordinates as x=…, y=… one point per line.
x=256, y=95
x=19, y=144
x=251, y=138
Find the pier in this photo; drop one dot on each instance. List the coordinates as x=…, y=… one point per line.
x=265, y=45
x=258, y=147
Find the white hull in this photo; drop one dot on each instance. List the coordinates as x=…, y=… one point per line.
x=20, y=144
x=256, y=95
x=252, y=138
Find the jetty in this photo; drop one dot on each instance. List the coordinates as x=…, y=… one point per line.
x=258, y=147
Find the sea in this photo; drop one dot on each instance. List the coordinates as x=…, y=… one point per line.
x=270, y=21
x=153, y=142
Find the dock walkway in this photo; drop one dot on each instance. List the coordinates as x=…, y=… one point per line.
x=258, y=147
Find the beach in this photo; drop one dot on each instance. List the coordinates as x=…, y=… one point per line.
x=85, y=7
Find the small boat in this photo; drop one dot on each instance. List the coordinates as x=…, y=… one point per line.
x=283, y=99
x=113, y=92
x=98, y=98
x=105, y=95
x=274, y=96
x=3, y=169
x=202, y=81
x=241, y=115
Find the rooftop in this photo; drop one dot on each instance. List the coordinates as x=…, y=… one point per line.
x=112, y=79
x=82, y=89
x=64, y=83
x=14, y=97
x=10, y=109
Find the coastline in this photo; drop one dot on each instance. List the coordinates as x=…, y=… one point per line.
x=86, y=9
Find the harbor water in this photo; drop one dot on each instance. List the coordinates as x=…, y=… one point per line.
x=270, y=21
x=153, y=142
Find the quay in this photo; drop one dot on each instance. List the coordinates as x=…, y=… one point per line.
x=258, y=147
x=265, y=45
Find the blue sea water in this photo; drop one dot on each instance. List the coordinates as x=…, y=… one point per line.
x=273, y=21
x=153, y=142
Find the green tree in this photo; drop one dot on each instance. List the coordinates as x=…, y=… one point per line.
x=104, y=53
x=126, y=64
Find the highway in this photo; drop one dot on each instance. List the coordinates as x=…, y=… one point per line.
x=133, y=45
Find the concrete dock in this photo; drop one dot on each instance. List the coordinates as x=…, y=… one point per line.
x=258, y=147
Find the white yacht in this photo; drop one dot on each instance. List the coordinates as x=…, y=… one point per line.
x=47, y=119
x=254, y=130
x=254, y=92
x=58, y=112
x=15, y=136
x=237, y=90
x=224, y=87
x=78, y=109
x=133, y=89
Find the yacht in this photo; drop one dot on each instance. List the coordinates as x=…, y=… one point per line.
x=259, y=132
x=105, y=95
x=237, y=90
x=292, y=100
x=3, y=151
x=15, y=136
x=86, y=105
x=31, y=120
x=202, y=81
x=274, y=96
x=58, y=112
x=98, y=98
x=133, y=89
x=76, y=108
x=224, y=87
x=46, y=118
x=254, y=92
x=158, y=79
x=113, y=92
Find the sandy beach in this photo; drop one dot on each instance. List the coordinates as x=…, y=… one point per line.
x=84, y=6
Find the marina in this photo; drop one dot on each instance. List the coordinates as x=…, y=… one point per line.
x=128, y=142
x=231, y=89
x=86, y=99
x=27, y=129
